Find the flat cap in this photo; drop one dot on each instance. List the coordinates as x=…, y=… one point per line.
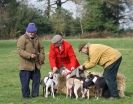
x=81, y=45
x=56, y=38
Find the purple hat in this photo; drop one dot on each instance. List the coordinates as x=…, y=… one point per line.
x=31, y=28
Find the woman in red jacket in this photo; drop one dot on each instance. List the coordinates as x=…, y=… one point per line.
x=61, y=55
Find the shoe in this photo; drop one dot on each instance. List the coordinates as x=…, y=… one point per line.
x=34, y=96
x=27, y=97
x=112, y=98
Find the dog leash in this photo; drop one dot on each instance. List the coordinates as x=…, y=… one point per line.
x=49, y=78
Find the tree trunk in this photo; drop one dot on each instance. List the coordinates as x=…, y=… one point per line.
x=81, y=26
x=48, y=9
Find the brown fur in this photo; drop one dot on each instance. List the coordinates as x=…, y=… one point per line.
x=74, y=85
x=61, y=88
x=120, y=83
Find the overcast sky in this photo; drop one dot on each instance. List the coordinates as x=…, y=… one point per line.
x=68, y=5
x=124, y=23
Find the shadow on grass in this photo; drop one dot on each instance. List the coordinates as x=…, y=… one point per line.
x=129, y=94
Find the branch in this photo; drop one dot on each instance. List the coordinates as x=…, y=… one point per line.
x=61, y=2
x=65, y=1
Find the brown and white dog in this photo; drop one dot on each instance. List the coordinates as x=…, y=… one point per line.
x=74, y=85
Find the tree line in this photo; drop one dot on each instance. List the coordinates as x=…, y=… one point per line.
x=95, y=16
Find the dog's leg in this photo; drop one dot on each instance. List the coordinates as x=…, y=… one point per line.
x=70, y=92
x=52, y=90
x=84, y=92
x=46, y=94
x=88, y=94
x=75, y=92
x=100, y=92
x=67, y=94
x=97, y=94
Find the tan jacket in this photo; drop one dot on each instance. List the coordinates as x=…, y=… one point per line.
x=25, y=48
x=101, y=55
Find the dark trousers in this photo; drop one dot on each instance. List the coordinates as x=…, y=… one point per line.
x=110, y=74
x=25, y=77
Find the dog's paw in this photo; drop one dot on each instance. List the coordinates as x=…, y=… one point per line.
x=46, y=96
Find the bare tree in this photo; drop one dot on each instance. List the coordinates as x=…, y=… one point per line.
x=56, y=4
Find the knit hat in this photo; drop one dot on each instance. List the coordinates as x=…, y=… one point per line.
x=56, y=38
x=31, y=28
x=81, y=45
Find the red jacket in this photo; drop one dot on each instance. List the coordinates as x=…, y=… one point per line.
x=64, y=57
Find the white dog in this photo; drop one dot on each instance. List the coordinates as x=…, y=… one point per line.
x=74, y=84
x=51, y=82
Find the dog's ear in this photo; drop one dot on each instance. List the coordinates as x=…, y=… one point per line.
x=50, y=73
x=89, y=73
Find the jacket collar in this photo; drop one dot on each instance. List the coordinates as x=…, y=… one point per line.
x=62, y=48
x=26, y=36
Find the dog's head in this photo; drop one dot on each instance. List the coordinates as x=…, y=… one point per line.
x=90, y=79
x=90, y=76
x=50, y=74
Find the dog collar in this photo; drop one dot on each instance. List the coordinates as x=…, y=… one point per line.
x=94, y=79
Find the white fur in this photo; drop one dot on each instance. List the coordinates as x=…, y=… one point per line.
x=86, y=92
x=76, y=85
x=95, y=79
x=49, y=83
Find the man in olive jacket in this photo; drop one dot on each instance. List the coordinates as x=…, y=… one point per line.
x=31, y=54
x=107, y=57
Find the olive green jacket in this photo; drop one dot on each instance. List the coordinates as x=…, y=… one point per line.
x=26, y=47
x=101, y=55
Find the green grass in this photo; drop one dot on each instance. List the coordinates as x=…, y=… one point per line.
x=10, y=92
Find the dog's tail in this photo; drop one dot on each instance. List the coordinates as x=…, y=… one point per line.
x=121, y=84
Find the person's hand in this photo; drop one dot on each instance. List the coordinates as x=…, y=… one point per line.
x=72, y=68
x=33, y=56
x=54, y=69
x=65, y=72
x=41, y=62
x=81, y=67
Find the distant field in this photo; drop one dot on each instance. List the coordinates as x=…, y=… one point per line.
x=10, y=85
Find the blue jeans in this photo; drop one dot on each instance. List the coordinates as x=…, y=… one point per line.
x=25, y=77
x=110, y=74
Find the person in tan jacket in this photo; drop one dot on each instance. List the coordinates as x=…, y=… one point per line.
x=105, y=56
x=31, y=53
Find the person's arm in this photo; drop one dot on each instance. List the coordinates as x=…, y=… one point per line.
x=93, y=60
x=52, y=57
x=41, y=53
x=21, y=49
x=72, y=58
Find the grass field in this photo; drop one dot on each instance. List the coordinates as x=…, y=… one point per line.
x=10, y=92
